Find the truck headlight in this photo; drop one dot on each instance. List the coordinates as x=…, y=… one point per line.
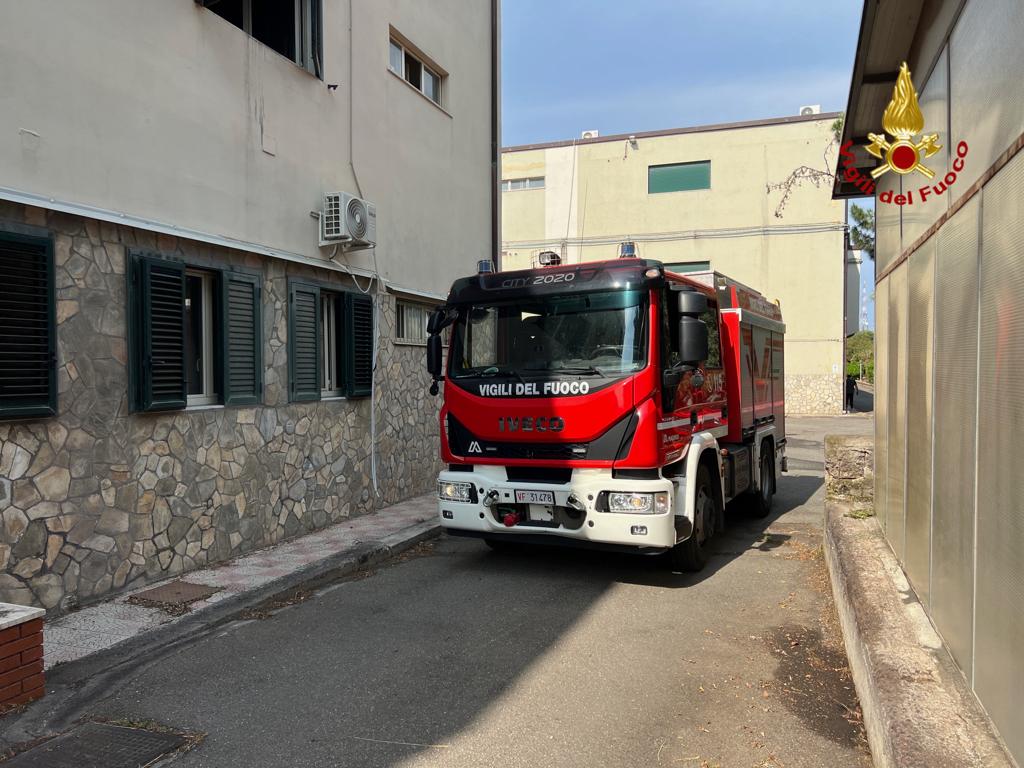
x=460, y=492
x=638, y=503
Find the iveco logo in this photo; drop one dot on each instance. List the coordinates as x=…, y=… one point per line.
x=530, y=424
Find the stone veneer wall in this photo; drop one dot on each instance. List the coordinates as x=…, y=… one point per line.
x=97, y=499
x=814, y=394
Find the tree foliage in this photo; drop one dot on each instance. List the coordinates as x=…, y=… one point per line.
x=862, y=230
x=860, y=351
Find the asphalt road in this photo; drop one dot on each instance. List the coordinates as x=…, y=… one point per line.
x=457, y=656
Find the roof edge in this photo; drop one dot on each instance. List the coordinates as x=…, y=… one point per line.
x=676, y=131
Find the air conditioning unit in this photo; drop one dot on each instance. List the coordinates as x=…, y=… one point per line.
x=548, y=259
x=590, y=134
x=348, y=220
x=810, y=109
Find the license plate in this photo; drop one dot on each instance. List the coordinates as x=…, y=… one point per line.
x=535, y=497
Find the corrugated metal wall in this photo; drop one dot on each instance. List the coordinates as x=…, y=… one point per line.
x=921, y=290
x=956, y=400
x=896, y=391
x=881, y=400
x=999, y=580
x=949, y=346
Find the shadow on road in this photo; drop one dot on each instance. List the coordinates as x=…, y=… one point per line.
x=742, y=532
x=864, y=400
x=388, y=669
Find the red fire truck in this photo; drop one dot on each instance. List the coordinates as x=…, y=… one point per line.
x=610, y=404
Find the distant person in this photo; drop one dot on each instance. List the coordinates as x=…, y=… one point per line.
x=851, y=390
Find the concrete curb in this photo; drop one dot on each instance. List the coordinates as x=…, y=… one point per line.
x=918, y=709
x=75, y=684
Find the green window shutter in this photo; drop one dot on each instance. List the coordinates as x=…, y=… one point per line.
x=242, y=338
x=28, y=359
x=303, y=342
x=679, y=177
x=685, y=267
x=358, y=344
x=157, y=333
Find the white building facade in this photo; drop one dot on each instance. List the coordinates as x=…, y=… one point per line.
x=186, y=372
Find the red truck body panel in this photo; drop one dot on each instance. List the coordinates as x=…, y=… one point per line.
x=747, y=391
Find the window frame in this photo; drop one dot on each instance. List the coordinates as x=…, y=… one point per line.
x=331, y=362
x=687, y=164
x=344, y=342
x=523, y=184
x=426, y=64
x=43, y=239
x=401, y=322
x=212, y=355
x=309, y=38
x=216, y=344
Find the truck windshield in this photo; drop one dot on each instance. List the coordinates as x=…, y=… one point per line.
x=585, y=334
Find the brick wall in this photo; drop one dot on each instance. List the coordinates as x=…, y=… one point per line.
x=21, y=658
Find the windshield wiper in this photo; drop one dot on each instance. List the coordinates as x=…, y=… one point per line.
x=494, y=371
x=592, y=370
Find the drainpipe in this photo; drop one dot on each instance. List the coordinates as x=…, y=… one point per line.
x=846, y=250
x=495, y=133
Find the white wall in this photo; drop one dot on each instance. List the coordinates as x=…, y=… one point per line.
x=162, y=110
x=854, y=260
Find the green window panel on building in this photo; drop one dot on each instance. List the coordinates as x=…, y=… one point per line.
x=684, y=267
x=679, y=177
x=330, y=342
x=28, y=351
x=161, y=348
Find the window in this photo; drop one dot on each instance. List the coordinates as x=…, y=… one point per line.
x=599, y=333
x=412, y=67
x=679, y=177
x=330, y=385
x=685, y=267
x=200, y=359
x=710, y=319
x=330, y=340
x=411, y=323
x=707, y=383
x=28, y=348
x=194, y=337
x=512, y=185
x=293, y=29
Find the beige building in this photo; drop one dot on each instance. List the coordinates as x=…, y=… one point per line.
x=748, y=199
x=194, y=362
x=949, y=319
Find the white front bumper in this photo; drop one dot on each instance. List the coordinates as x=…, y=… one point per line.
x=586, y=484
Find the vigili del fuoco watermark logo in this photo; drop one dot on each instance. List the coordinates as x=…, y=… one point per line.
x=906, y=153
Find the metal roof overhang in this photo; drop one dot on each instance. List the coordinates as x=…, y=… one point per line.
x=887, y=32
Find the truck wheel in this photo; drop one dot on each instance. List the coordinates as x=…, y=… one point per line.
x=691, y=555
x=761, y=500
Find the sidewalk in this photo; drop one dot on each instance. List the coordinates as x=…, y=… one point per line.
x=917, y=707
x=245, y=581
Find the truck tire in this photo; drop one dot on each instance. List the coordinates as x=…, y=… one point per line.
x=691, y=555
x=761, y=499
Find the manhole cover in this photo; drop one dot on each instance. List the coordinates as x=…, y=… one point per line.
x=176, y=593
x=96, y=745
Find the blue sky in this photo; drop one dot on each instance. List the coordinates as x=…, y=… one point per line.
x=573, y=65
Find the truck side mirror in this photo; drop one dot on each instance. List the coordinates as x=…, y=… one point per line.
x=693, y=340
x=692, y=303
x=436, y=320
x=434, y=354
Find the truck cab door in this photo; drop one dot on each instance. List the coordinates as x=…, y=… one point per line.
x=697, y=401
